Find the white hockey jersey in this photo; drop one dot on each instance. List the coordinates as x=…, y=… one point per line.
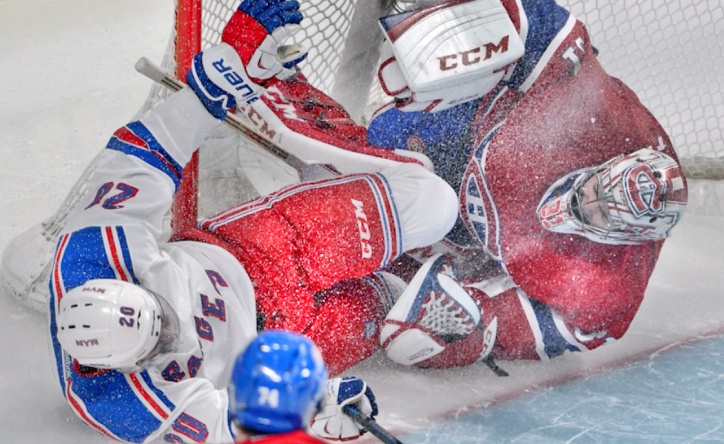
x=114, y=234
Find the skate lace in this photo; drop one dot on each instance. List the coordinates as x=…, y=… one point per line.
x=445, y=317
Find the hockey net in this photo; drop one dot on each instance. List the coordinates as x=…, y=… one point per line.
x=670, y=53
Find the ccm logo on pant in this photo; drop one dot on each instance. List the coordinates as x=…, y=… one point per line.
x=364, y=229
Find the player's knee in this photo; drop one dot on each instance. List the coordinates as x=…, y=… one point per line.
x=445, y=199
x=426, y=204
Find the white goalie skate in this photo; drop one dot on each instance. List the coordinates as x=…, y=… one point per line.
x=434, y=310
x=26, y=266
x=27, y=259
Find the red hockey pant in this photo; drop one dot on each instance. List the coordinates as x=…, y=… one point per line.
x=306, y=248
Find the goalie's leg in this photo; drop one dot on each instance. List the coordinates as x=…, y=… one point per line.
x=348, y=318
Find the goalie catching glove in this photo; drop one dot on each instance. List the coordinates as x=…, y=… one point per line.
x=435, y=316
x=235, y=71
x=330, y=422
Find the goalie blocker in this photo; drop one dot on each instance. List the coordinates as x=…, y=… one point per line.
x=444, y=55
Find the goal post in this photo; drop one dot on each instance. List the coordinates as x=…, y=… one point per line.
x=187, y=43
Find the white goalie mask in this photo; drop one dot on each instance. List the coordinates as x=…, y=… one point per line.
x=112, y=324
x=628, y=200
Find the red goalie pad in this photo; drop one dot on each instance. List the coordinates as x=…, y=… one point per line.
x=309, y=112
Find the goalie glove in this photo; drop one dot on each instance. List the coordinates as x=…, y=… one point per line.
x=330, y=422
x=447, y=54
x=433, y=312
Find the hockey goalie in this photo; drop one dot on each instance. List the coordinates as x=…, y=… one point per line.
x=568, y=185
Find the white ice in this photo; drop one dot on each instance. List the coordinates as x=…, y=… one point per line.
x=67, y=82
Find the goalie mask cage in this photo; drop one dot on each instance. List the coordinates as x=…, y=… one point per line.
x=670, y=53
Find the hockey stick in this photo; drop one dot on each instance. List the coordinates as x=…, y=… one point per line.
x=155, y=73
x=370, y=425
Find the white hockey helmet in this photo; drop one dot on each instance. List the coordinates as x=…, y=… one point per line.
x=641, y=197
x=107, y=323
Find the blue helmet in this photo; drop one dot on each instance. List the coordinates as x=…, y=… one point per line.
x=277, y=383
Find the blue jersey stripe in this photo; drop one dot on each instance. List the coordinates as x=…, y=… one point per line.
x=153, y=154
x=85, y=258
x=545, y=21
x=126, y=253
x=157, y=391
x=555, y=344
x=110, y=400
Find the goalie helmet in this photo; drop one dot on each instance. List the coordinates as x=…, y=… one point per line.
x=277, y=383
x=630, y=199
x=112, y=324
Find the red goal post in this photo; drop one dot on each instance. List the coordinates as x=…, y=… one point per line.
x=670, y=53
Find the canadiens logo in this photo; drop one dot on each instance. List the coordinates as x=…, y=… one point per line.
x=479, y=213
x=645, y=190
x=415, y=143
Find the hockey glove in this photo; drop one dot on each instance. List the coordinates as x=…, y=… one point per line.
x=433, y=312
x=330, y=422
x=257, y=31
x=219, y=80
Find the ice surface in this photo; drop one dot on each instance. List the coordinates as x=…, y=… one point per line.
x=67, y=83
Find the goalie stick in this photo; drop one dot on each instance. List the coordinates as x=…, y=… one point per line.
x=305, y=169
x=370, y=425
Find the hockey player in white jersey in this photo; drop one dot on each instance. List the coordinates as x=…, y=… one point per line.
x=144, y=334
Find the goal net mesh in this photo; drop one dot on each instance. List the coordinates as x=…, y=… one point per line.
x=670, y=53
